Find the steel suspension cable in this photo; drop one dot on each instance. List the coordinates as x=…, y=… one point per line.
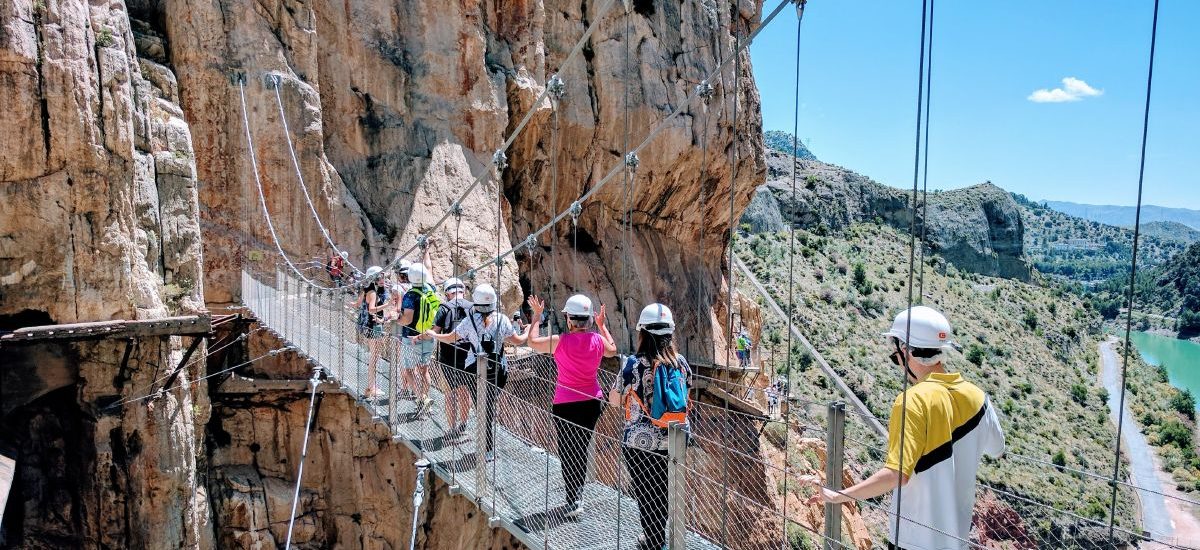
x=729, y=341
x=787, y=389
x=512, y=137
x=662, y=125
x=300, y=175
x=628, y=222
x=1137, y=223
x=925, y=158
x=312, y=400
x=262, y=200
x=912, y=250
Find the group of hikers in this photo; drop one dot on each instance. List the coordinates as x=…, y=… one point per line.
x=939, y=429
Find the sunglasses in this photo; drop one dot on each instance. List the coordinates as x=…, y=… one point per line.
x=896, y=356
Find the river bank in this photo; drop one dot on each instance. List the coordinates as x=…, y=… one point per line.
x=1165, y=511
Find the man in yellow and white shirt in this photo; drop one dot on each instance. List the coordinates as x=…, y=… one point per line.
x=939, y=430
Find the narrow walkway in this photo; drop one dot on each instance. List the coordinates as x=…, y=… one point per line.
x=521, y=489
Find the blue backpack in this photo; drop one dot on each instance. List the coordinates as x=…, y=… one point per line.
x=668, y=396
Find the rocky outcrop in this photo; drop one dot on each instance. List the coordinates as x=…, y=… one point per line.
x=98, y=212
x=977, y=228
x=357, y=487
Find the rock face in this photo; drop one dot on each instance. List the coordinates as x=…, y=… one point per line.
x=977, y=228
x=395, y=108
x=357, y=488
x=127, y=157
x=98, y=221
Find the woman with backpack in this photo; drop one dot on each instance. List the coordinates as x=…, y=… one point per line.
x=370, y=305
x=577, y=394
x=485, y=331
x=652, y=388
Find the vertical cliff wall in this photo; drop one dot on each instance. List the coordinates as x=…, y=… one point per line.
x=396, y=107
x=98, y=211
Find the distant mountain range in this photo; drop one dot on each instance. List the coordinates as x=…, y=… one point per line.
x=1123, y=216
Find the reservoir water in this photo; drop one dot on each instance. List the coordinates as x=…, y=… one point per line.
x=1181, y=357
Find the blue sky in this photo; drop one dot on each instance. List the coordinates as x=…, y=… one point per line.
x=858, y=94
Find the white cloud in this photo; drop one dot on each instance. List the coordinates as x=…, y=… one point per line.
x=1073, y=89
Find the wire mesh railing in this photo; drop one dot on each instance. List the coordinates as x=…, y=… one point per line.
x=736, y=479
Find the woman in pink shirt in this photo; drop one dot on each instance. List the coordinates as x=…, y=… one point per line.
x=578, y=399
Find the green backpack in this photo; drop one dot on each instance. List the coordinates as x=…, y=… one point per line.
x=427, y=308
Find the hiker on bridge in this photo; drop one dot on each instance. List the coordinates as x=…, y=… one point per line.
x=485, y=331
x=578, y=398
x=418, y=307
x=370, y=307
x=336, y=267
x=742, y=341
x=460, y=374
x=653, y=389
x=940, y=429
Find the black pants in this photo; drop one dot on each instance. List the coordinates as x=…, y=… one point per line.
x=575, y=423
x=497, y=377
x=648, y=475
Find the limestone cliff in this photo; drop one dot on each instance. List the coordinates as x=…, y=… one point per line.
x=977, y=228
x=98, y=221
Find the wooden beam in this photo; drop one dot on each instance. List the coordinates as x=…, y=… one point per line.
x=240, y=385
x=189, y=325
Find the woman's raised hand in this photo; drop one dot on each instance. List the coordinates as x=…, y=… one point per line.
x=536, y=307
x=601, y=316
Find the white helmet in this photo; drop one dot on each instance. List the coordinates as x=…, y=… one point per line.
x=578, y=306
x=453, y=284
x=484, y=297
x=656, y=319
x=345, y=254
x=404, y=265
x=929, y=328
x=373, y=271
x=417, y=274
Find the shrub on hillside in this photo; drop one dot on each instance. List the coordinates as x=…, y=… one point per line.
x=1079, y=393
x=1184, y=403
x=975, y=354
x=1030, y=320
x=1174, y=432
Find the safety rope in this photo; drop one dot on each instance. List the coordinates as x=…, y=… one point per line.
x=925, y=159
x=312, y=400
x=262, y=200
x=912, y=255
x=1137, y=223
x=300, y=175
x=512, y=137
x=787, y=389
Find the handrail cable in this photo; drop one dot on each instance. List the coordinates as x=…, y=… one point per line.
x=287, y=133
x=612, y=173
x=1137, y=225
x=312, y=400
x=262, y=199
x=512, y=137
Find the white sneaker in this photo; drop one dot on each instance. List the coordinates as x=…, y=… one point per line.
x=489, y=456
x=574, y=511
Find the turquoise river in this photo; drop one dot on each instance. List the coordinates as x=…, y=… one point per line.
x=1182, y=358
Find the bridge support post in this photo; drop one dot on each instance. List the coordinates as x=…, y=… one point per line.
x=835, y=439
x=481, y=426
x=676, y=487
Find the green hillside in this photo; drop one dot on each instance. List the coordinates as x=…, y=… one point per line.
x=1170, y=290
x=1083, y=251
x=1033, y=349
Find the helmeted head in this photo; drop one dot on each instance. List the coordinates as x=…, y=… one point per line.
x=922, y=333
x=484, y=298
x=656, y=319
x=373, y=271
x=417, y=274
x=578, y=310
x=344, y=255
x=454, y=288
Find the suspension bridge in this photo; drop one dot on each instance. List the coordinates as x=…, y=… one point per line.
x=732, y=487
